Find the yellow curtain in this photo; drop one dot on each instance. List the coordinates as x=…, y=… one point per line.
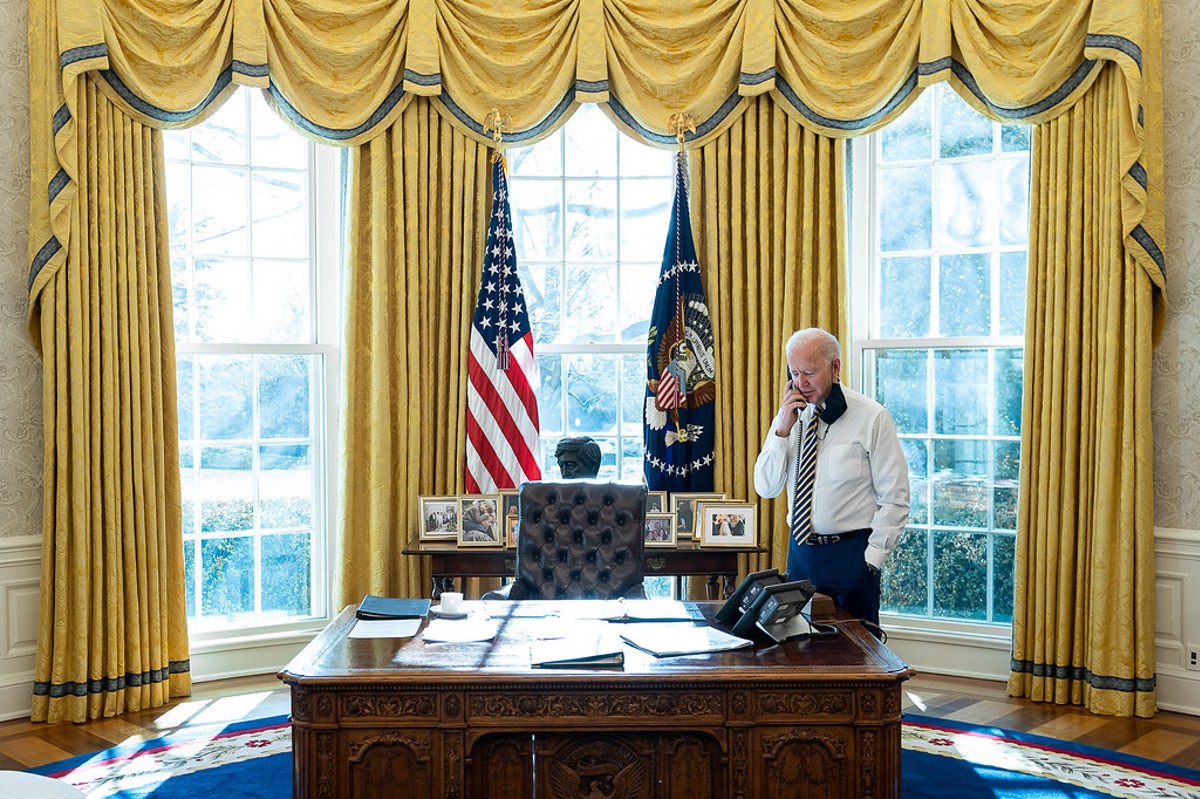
x=418, y=221
x=1083, y=627
x=112, y=631
x=771, y=233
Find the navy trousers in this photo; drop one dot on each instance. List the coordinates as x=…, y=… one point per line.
x=839, y=571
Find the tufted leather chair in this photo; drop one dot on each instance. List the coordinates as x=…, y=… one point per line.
x=579, y=539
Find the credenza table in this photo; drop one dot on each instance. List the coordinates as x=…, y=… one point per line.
x=387, y=717
x=686, y=559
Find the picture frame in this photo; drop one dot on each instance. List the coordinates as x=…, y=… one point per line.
x=682, y=505
x=437, y=518
x=659, y=530
x=656, y=502
x=727, y=524
x=509, y=516
x=479, y=521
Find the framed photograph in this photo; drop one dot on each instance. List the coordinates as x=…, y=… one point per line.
x=683, y=506
x=656, y=502
x=479, y=521
x=726, y=524
x=437, y=518
x=508, y=516
x=660, y=530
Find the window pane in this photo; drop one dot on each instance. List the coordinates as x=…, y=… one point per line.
x=550, y=401
x=916, y=452
x=964, y=295
x=1014, y=138
x=283, y=396
x=639, y=282
x=591, y=303
x=1014, y=201
x=179, y=205
x=181, y=281
x=285, y=483
x=591, y=143
x=228, y=568
x=904, y=296
x=226, y=489
x=272, y=142
x=591, y=220
x=960, y=575
x=633, y=400
x=222, y=138
x=591, y=394
x=544, y=158
x=280, y=214
x=961, y=493
x=537, y=214
x=281, y=302
x=286, y=570
x=910, y=137
x=965, y=202
x=222, y=299
x=185, y=379
x=1010, y=365
x=219, y=214
x=1012, y=292
x=905, y=209
x=640, y=159
x=226, y=383
x=963, y=131
x=644, y=206
x=1003, y=577
x=900, y=387
x=960, y=391
x=905, y=580
x=543, y=299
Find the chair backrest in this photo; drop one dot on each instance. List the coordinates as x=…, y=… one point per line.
x=580, y=539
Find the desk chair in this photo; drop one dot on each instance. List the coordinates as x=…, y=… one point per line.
x=578, y=539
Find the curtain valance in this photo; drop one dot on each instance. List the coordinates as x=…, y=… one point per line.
x=342, y=70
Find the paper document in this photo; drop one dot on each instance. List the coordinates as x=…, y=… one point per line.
x=391, y=628
x=473, y=628
x=666, y=640
x=631, y=610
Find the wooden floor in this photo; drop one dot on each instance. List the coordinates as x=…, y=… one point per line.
x=1170, y=737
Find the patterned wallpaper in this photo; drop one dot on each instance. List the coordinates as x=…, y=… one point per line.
x=20, y=367
x=1176, y=382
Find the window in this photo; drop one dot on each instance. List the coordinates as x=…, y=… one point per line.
x=940, y=224
x=591, y=209
x=256, y=367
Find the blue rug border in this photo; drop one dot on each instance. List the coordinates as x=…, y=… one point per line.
x=1095, y=752
x=189, y=734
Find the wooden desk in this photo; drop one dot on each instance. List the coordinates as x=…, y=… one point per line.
x=391, y=717
x=684, y=560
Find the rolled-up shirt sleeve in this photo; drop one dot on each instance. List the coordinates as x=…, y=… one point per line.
x=889, y=477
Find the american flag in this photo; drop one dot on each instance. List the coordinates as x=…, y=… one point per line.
x=502, y=415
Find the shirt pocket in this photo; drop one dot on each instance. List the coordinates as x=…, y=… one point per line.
x=846, y=462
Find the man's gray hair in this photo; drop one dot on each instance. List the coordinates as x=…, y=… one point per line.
x=829, y=346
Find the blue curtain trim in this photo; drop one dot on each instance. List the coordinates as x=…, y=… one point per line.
x=702, y=129
x=43, y=257
x=1138, y=173
x=1111, y=42
x=421, y=79
x=336, y=134
x=591, y=85
x=61, y=117
x=57, y=184
x=516, y=135
x=1054, y=98
x=68, y=57
x=109, y=684
x=1147, y=242
x=250, y=70
x=1078, y=673
x=153, y=111
x=848, y=124
x=748, y=79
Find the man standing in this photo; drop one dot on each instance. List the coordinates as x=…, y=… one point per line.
x=836, y=452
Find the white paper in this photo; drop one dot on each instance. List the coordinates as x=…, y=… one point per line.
x=386, y=628
x=453, y=631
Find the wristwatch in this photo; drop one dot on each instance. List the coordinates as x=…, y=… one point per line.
x=873, y=569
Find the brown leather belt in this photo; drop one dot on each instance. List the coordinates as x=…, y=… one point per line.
x=823, y=540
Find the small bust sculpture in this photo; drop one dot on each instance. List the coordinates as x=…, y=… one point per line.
x=578, y=457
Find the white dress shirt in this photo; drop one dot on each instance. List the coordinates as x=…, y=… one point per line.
x=862, y=475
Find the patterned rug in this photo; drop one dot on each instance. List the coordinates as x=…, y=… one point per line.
x=939, y=759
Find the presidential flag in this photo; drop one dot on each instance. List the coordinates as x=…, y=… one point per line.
x=680, y=372
x=502, y=416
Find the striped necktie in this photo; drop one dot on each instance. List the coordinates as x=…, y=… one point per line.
x=806, y=472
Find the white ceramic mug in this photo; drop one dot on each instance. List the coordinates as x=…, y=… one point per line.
x=451, y=602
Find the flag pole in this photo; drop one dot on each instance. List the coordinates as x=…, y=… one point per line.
x=496, y=123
